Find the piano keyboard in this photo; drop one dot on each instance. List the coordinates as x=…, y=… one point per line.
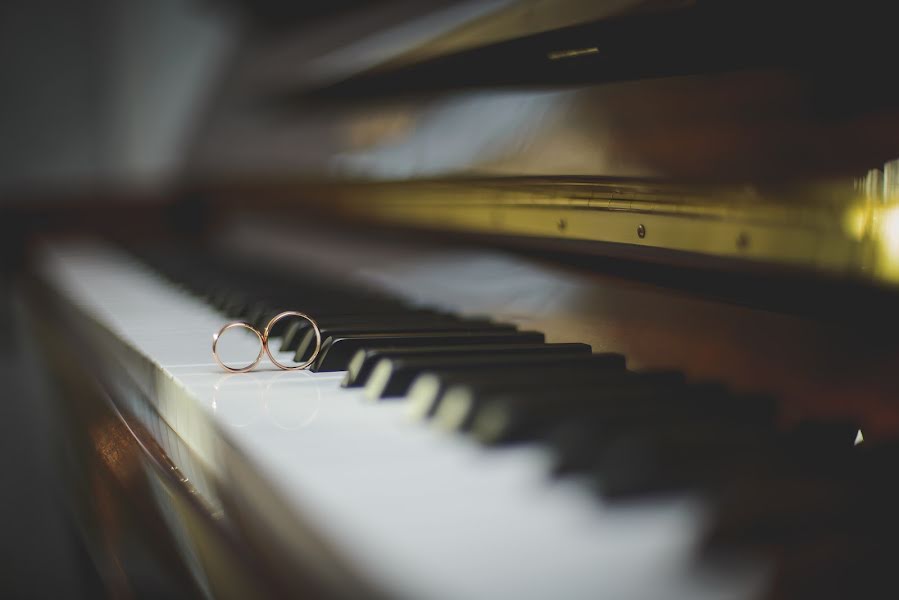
x=448, y=456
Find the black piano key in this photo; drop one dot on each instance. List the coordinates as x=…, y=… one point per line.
x=307, y=344
x=314, y=297
x=235, y=306
x=670, y=459
x=217, y=295
x=255, y=293
x=259, y=312
x=297, y=329
x=577, y=442
x=763, y=508
x=290, y=339
x=371, y=357
x=392, y=378
x=771, y=507
x=693, y=455
x=368, y=358
x=513, y=415
x=340, y=352
x=321, y=310
x=428, y=389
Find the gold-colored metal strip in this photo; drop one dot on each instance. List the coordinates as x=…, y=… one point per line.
x=841, y=228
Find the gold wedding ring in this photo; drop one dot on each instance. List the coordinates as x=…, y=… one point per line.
x=318, y=340
x=263, y=347
x=263, y=343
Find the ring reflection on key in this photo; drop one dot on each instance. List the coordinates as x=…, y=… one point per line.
x=238, y=325
x=284, y=410
x=238, y=401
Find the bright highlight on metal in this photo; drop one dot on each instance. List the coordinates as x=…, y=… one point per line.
x=556, y=55
x=237, y=325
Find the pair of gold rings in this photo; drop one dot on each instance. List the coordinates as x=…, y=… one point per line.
x=263, y=343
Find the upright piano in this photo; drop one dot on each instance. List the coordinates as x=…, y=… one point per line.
x=606, y=294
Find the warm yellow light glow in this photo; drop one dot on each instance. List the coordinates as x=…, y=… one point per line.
x=887, y=227
x=856, y=221
x=572, y=53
